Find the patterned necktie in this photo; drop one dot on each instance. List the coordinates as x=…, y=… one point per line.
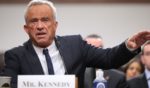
x=49, y=62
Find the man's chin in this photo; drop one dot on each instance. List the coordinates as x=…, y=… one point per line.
x=43, y=44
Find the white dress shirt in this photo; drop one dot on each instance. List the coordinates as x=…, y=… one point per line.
x=56, y=59
x=147, y=73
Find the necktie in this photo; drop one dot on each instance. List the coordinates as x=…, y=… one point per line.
x=49, y=62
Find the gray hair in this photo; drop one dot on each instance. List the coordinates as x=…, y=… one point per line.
x=94, y=36
x=40, y=2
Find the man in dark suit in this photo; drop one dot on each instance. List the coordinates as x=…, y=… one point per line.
x=138, y=82
x=115, y=78
x=143, y=81
x=90, y=73
x=69, y=54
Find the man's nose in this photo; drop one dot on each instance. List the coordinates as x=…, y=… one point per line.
x=40, y=25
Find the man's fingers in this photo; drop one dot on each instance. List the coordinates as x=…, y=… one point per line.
x=138, y=39
x=143, y=33
x=147, y=37
x=131, y=44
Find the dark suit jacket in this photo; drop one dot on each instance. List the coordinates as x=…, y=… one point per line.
x=76, y=53
x=138, y=82
x=115, y=78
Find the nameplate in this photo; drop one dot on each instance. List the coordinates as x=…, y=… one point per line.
x=46, y=81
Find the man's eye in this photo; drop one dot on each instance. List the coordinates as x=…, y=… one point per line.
x=33, y=21
x=45, y=19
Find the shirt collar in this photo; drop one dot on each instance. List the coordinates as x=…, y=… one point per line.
x=51, y=48
x=147, y=72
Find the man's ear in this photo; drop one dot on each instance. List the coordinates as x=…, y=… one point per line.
x=56, y=25
x=26, y=29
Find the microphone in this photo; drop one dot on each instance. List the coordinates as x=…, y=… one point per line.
x=57, y=42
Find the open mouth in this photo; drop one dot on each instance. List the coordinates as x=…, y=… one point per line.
x=41, y=34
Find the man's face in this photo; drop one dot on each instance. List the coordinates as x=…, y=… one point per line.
x=97, y=42
x=41, y=25
x=146, y=56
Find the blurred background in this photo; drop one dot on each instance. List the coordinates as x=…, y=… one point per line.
x=114, y=20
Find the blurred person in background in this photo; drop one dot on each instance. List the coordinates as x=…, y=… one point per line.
x=95, y=40
x=90, y=73
x=143, y=80
x=133, y=68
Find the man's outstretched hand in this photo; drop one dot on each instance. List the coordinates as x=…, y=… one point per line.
x=138, y=39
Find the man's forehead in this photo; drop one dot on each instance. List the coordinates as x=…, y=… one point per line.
x=36, y=11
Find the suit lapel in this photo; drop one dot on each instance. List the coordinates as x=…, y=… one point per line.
x=144, y=81
x=64, y=51
x=33, y=59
